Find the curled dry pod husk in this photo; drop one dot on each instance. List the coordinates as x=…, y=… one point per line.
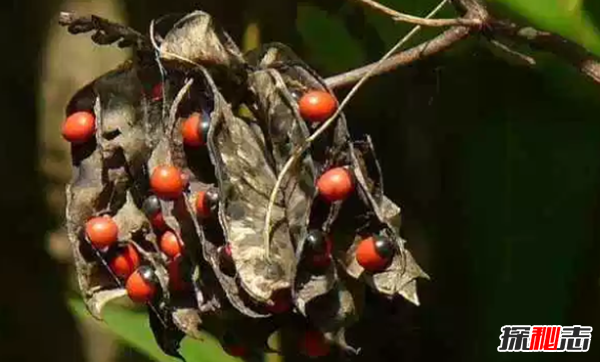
x=106, y=32
x=198, y=87
x=103, y=168
x=322, y=297
x=333, y=313
x=180, y=312
x=400, y=277
x=286, y=132
x=246, y=178
x=109, y=182
x=196, y=40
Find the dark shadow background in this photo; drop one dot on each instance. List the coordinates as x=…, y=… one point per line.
x=496, y=166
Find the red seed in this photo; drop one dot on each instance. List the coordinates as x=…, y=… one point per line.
x=167, y=182
x=317, y=106
x=140, y=285
x=79, y=127
x=194, y=130
x=336, y=184
x=313, y=344
x=170, y=244
x=158, y=221
x=102, y=231
x=125, y=261
x=370, y=255
x=203, y=204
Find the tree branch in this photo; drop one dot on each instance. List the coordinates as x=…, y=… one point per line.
x=577, y=56
x=433, y=46
x=398, y=16
x=475, y=13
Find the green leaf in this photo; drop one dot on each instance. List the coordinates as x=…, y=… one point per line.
x=330, y=47
x=132, y=327
x=572, y=19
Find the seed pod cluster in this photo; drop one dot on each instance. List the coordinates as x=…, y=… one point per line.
x=170, y=193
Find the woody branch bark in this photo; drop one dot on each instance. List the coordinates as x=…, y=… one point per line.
x=478, y=21
x=407, y=18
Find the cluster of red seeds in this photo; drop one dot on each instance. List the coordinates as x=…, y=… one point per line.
x=373, y=253
x=167, y=182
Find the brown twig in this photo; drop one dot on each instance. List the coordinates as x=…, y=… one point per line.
x=423, y=50
x=584, y=61
x=411, y=19
x=524, y=58
x=587, y=63
x=105, y=31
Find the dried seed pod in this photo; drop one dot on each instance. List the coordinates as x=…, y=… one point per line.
x=239, y=155
x=214, y=203
x=198, y=40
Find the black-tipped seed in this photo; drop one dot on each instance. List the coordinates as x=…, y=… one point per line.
x=194, y=130
x=318, y=250
x=204, y=126
x=296, y=94
x=384, y=247
x=212, y=196
x=151, y=206
x=375, y=253
x=207, y=202
x=315, y=242
x=147, y=272
x=142, y=284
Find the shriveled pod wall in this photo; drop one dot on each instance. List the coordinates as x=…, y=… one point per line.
x=176, y=155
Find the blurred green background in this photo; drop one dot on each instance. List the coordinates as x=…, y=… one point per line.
x=495, y=164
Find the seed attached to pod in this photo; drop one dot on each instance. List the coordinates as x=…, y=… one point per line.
x=206, y=202
x=152, y=210
x=319, y=249
x=167, y=182
x=102, y=231
x=142, y=284
x=79, y=127
x=336, y=184
x=170, y=244
x=313, y=344
x=317, y=106
x=195, y=129
x=375, y=253
x=125, y=261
